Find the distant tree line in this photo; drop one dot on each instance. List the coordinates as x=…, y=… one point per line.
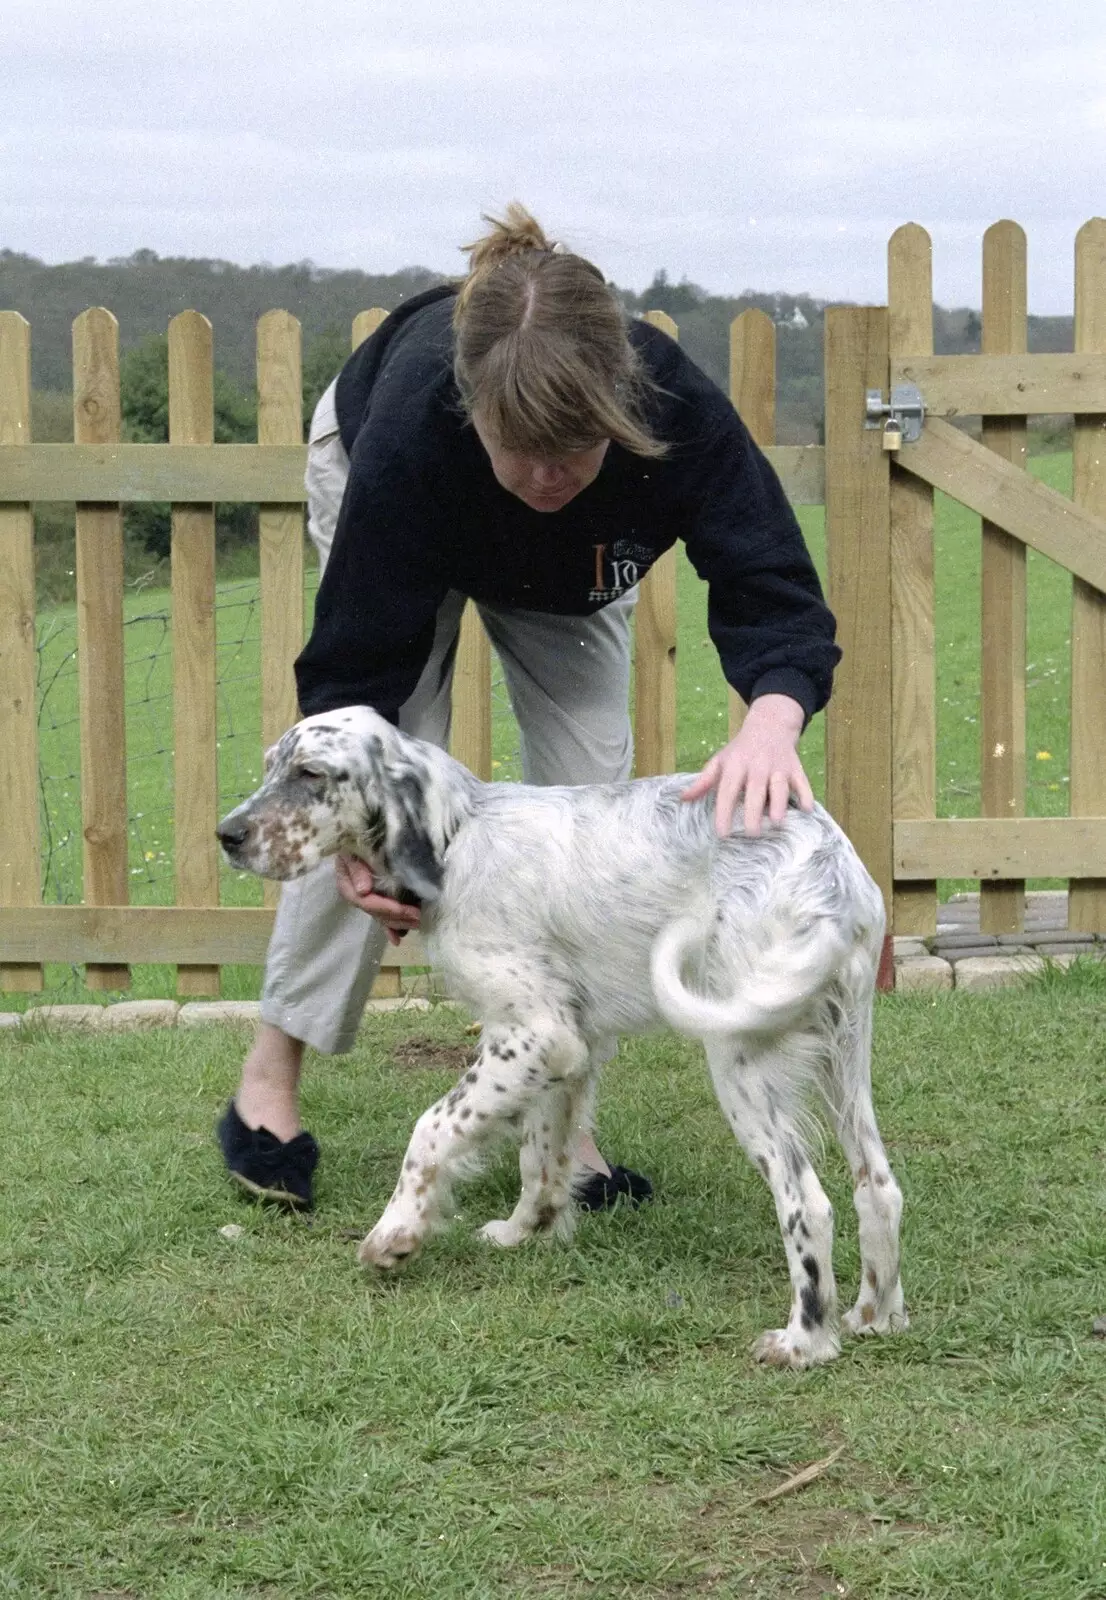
x=144, y=291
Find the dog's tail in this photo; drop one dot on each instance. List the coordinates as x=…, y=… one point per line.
x=778, y=966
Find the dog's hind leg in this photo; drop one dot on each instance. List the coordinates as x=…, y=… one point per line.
x=758, y=1093
x=517, y=1068
x=847, y=1087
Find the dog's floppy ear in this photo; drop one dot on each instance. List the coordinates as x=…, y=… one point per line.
x=416, y=864
x=413, y=854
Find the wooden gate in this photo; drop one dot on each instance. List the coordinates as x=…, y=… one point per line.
x=883, y=721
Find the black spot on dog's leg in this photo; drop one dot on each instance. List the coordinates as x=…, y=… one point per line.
x=813, y=1312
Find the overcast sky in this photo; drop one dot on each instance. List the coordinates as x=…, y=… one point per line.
x=772, y=145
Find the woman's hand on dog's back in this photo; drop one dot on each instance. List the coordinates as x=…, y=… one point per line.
x=760, y=766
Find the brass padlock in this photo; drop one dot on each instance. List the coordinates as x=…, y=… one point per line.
x=891, y=438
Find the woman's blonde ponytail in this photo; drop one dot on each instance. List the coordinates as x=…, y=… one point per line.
x=542, y=351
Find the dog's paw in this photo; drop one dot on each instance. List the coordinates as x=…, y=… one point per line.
x=797, y=1349
x=888, y=1315
x=386, y=1248
x=504, y=1233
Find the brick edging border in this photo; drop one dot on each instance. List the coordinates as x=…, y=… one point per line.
x=916, y=967
x=127, y=1016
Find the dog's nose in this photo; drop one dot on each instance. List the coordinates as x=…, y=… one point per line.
x=231, y=834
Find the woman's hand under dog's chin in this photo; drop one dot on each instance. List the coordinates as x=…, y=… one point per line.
x=356, y=885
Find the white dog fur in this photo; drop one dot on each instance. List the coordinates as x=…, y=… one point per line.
x=564, y=917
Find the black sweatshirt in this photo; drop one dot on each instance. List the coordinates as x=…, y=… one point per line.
x=423, y=514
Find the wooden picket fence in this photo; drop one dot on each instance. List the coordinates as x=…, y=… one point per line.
x=881, y=725
x=99, y=473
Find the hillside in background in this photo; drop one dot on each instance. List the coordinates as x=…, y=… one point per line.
x=144, y=291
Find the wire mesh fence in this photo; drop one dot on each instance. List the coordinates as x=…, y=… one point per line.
x=148, y=660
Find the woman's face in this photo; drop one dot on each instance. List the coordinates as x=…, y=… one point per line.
x=544, y=483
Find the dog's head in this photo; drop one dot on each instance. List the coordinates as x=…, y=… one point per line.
x=347, y=781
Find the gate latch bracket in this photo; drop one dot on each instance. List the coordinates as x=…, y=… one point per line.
x=903, y=417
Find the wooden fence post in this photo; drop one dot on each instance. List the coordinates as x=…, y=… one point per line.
x=280, y=533
x=655, y=649
x=753, y=374
x=753, y=392
x=20, y=864
x=366, y=322
x=196, y=779
x=1002, y=610
x=913, y=651
x=858, y=538
x=1087, y=899
x=471, y=734
x=100, y=673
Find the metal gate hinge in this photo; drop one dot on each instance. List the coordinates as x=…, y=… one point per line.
x=906, y=411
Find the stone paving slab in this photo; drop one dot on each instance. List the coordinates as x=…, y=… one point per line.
x=1071, y=949
x=996, y=972
x=199, y=1013
x=961, y=939
x=969, y=952
x=923, y=972
x=131, y=1014
x=64, y=1017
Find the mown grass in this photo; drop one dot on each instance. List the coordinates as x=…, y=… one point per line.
x=187, y=1415
x=701, y=716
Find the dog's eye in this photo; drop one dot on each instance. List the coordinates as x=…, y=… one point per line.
x=311, y=772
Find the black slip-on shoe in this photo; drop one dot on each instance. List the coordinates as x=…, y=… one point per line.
x=265, y=1166
x=597, y=1192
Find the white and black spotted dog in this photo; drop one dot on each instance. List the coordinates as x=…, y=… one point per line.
x=563, y=917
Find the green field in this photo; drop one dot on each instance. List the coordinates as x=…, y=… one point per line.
x=701, y=720
x=185, y=1415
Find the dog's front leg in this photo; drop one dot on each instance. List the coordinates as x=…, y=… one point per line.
x=517, y=1067
x=545, y=1167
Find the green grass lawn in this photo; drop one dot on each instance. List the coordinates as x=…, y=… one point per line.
x=701, y=716
x=184, y=1415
